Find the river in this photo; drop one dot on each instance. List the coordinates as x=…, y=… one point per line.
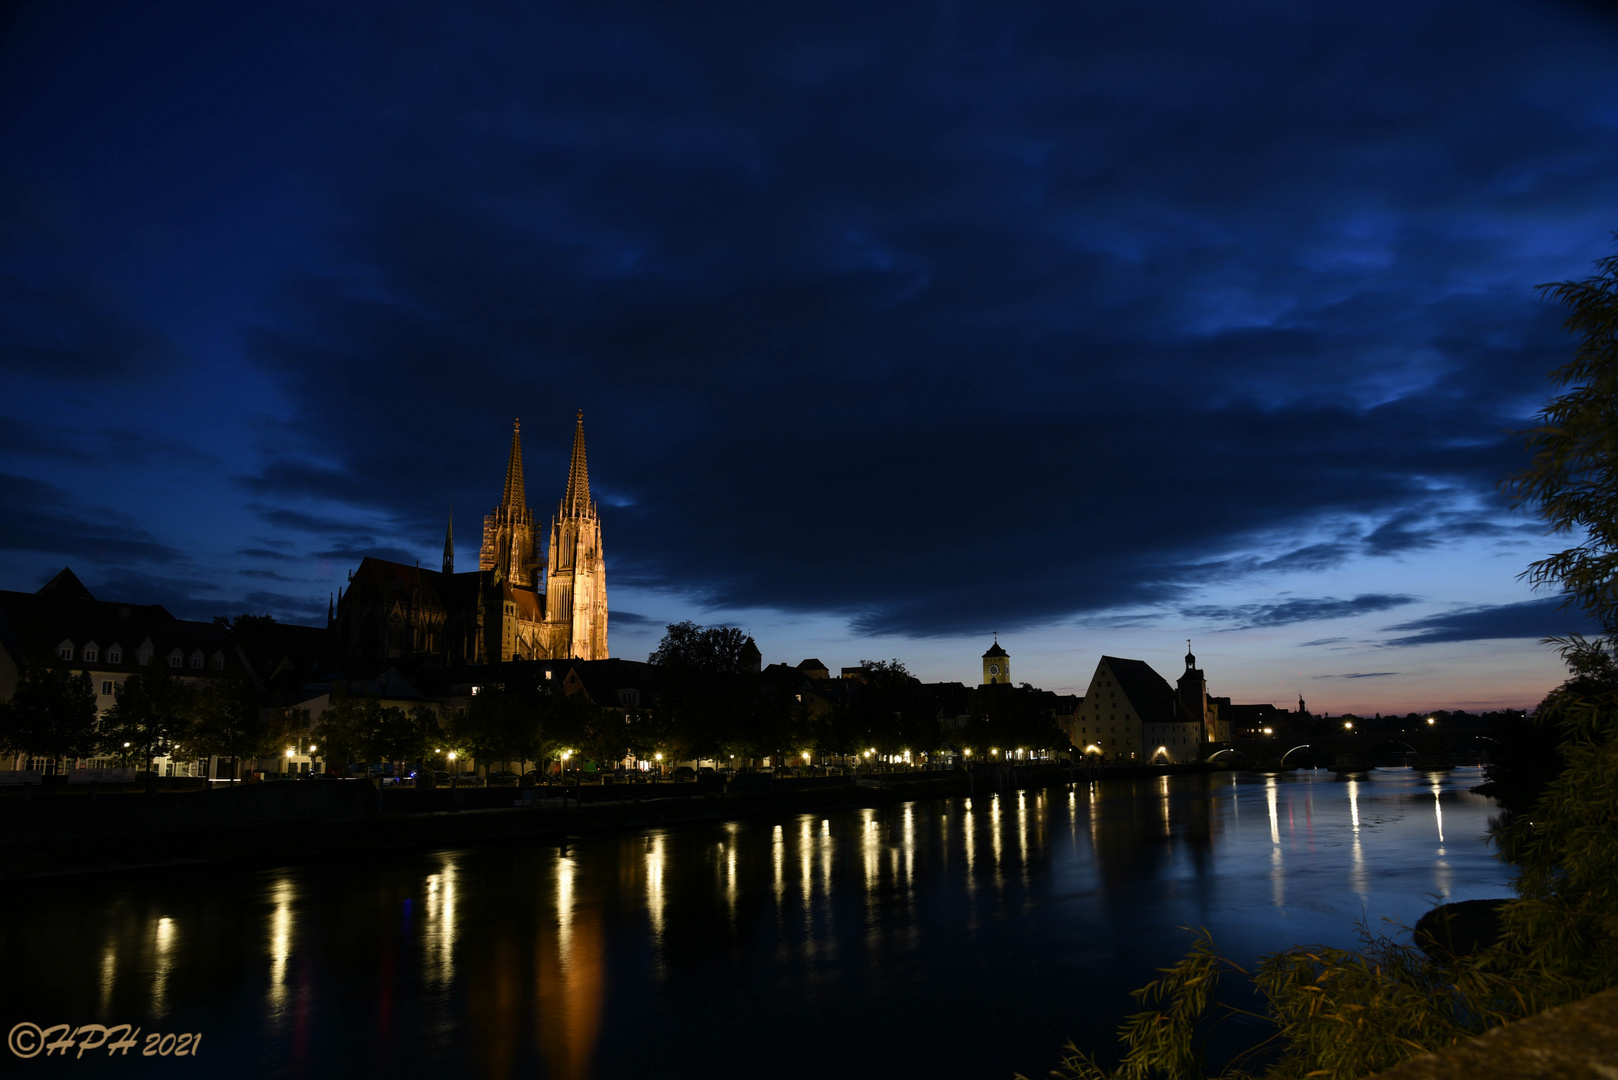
x=945, y=938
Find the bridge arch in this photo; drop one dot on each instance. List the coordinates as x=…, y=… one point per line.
x=1300, y=746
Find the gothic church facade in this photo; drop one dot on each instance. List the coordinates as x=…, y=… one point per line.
x=519, y=604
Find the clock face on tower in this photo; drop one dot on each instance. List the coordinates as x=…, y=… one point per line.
x=994, y=669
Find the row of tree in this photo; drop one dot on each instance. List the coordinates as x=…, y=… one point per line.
x=53, y=715
x=708, y=704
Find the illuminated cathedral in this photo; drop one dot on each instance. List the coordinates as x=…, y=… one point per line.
x=519, y=604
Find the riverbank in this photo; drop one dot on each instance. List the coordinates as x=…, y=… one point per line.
x=58, y=833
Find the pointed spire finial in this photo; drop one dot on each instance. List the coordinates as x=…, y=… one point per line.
x=449, y=543
x=514, y=497
x=576, y=499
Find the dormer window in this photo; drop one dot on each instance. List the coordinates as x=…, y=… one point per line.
x=64, y=650
x=217, y=661
x=115, y=654
x=146, y=651
x=176, y=659
x=197, y=660
x=91, y=652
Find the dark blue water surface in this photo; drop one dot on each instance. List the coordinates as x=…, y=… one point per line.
x=947, y=938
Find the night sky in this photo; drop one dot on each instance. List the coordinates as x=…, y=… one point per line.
x=1102, y=326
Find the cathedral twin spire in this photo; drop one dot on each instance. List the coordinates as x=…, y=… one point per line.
x=514, y=500
x=576, y=499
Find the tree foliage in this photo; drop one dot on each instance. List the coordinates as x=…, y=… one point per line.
x=709, y=701
x=1572, y=479
x=151, y=712
x=52, y=714
x=225, y=720
x=886, y=711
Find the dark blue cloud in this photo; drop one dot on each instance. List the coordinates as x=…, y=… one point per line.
x=1359, y=675
x=928, y=318
x=1295, y=610
x=40, y=517
x=1536, y=619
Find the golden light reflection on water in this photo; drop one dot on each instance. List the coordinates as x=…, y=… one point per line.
x=909, y=850
x=162, y=965
x=1275, y=817
x=438, y=924
x=1438, y=810
x=995, y=840
x=282, y=895
x=825, y=861
x=570, y=980
x=779, y=855
x=656, y=867
x=109, y=977
x=969, y=836
x=871, y=852
x=1357, y=876
x=806, y=843
x=1278, y=888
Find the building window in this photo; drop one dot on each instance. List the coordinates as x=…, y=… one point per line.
x=115, y=655
x=106, y=686
x=64, y=652
x=174, y=661
x=90, y=654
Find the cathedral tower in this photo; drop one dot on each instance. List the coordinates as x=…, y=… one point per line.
x=510, y=547
x=576, y=577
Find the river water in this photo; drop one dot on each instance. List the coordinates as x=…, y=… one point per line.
x=944, y=938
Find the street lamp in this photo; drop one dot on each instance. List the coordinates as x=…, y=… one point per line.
x=1429, y=721
x=1348, y=725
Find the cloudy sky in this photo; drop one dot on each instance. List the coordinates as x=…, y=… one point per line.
x=1099, y=325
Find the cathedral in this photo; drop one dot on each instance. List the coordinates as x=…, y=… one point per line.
x=519, y=604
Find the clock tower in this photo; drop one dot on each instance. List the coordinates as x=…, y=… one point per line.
x=996, y=664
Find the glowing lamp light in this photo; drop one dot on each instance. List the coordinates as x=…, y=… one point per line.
x=1348, y=725
x=452, y=755
x=1269, y=731
x=289, y=751
x=1429, y=720
x=806, y=755
x=565, y=754
x=126, y=745
x=968, y=751
x=313, y=748
x=659, y=757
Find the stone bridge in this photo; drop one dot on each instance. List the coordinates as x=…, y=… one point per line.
x=1359, y=750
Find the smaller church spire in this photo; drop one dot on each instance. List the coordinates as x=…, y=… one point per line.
x=449, y=544
x=514, y=498
x=1190, y=659
x=576, y=499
